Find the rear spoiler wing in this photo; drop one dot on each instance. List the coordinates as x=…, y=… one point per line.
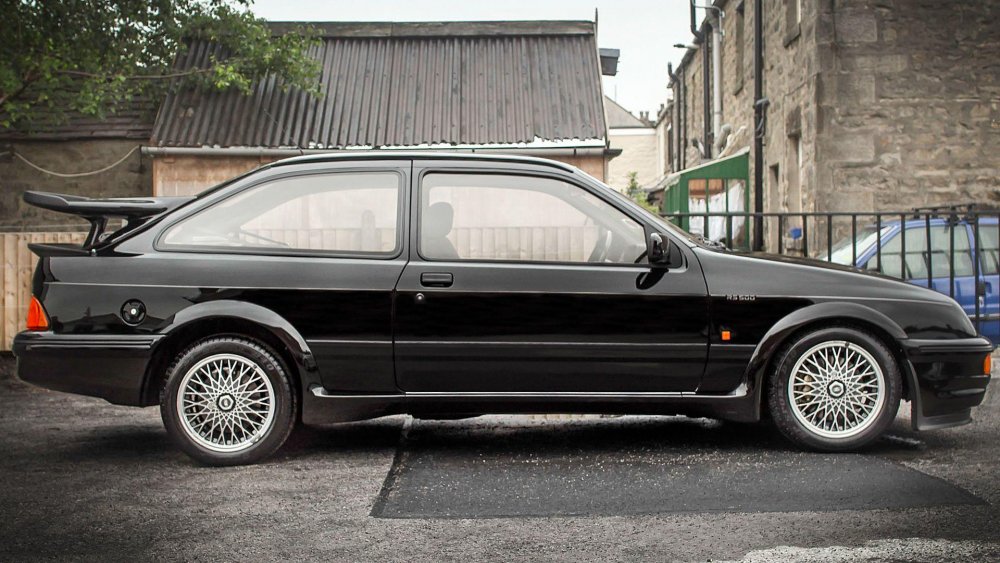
x=135, y=212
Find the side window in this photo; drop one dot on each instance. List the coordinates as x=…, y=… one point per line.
x=340, y=212
x=916, y=261
x=522, y=218
x=989, y=245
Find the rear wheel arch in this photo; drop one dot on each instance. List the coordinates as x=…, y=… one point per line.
x=269, y=329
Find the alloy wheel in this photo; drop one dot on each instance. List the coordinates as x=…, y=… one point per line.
x=836, y=389
x=226, y=403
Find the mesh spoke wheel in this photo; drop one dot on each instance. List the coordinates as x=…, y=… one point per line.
x=836, y=389
x=226, y=403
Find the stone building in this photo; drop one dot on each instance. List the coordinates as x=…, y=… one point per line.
x=885, y=104
x=635, y=137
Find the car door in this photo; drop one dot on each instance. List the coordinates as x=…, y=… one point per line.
x=532, y=282
x=987, y=240
x=949, y=251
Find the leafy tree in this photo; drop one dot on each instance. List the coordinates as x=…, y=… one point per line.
x=86, y=56
x=634, y=191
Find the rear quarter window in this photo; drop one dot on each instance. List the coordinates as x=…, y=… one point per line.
x=331, y=213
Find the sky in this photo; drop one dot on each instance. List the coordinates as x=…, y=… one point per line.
x=644, y=30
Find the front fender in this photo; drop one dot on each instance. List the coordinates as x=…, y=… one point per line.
x=778, y=334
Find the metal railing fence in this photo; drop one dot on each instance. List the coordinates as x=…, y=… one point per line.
x=954, y=250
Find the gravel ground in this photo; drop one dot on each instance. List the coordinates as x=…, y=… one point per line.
x=86, y=480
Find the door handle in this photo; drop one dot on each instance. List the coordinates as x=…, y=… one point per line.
x=436, y=279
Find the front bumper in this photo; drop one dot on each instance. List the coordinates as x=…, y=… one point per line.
x=946, y=380
x=112, y=367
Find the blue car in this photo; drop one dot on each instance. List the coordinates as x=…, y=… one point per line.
x=914, y=268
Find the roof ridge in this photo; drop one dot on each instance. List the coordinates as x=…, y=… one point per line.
x=439, y=29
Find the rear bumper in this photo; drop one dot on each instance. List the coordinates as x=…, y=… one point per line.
x=946, y=380
x=111, y=367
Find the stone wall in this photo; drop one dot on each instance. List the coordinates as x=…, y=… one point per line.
x=910, y=105
x=129, y=179
x=790, y=74
x=889, y=103
x=790, y=84
x=694, y=102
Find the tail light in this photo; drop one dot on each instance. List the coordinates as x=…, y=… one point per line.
x=988, y=365
x=37, y=320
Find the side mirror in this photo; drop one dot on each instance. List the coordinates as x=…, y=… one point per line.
x=663, y=252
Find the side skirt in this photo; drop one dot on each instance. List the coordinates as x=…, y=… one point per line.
x=321, y=407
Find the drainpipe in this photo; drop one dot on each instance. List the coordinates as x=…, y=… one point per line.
x=699, y=39
x=675, y=119
x=717, y=76
x=706, y=104
x=698, y=36
x=716, y=30
x=681, y=103
x=682, y=147
x=759, y=107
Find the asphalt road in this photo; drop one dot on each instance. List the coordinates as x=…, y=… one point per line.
x=86, y=480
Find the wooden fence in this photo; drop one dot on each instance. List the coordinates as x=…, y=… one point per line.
x=18, y=267
x=570, y=243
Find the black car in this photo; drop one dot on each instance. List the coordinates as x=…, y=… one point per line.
x=343, y=287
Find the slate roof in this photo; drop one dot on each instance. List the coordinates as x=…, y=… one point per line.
x=619, y=117
x=409, y=84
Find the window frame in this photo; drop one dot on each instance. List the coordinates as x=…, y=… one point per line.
x=793, y=20
x=740, y=39
x=976, y=230
x=401, y=226
x=901, y=231
x=418, y=195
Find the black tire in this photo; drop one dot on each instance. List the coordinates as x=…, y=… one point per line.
x=792, y=421
x=271, y=431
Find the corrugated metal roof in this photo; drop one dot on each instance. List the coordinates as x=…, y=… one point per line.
x=130, y=120
x=464, y=83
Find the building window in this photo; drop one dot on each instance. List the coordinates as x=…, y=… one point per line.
x=670, y=146
x=794, y=172
x=740, y=48
x=793, y=20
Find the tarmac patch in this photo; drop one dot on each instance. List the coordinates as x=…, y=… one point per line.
x=435, y=477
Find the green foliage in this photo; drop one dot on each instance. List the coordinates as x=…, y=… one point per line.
x=86, y=56
x=634, y=191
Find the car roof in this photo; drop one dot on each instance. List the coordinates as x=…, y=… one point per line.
x=917, y=223
x=392, y=154
x=912, y=223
